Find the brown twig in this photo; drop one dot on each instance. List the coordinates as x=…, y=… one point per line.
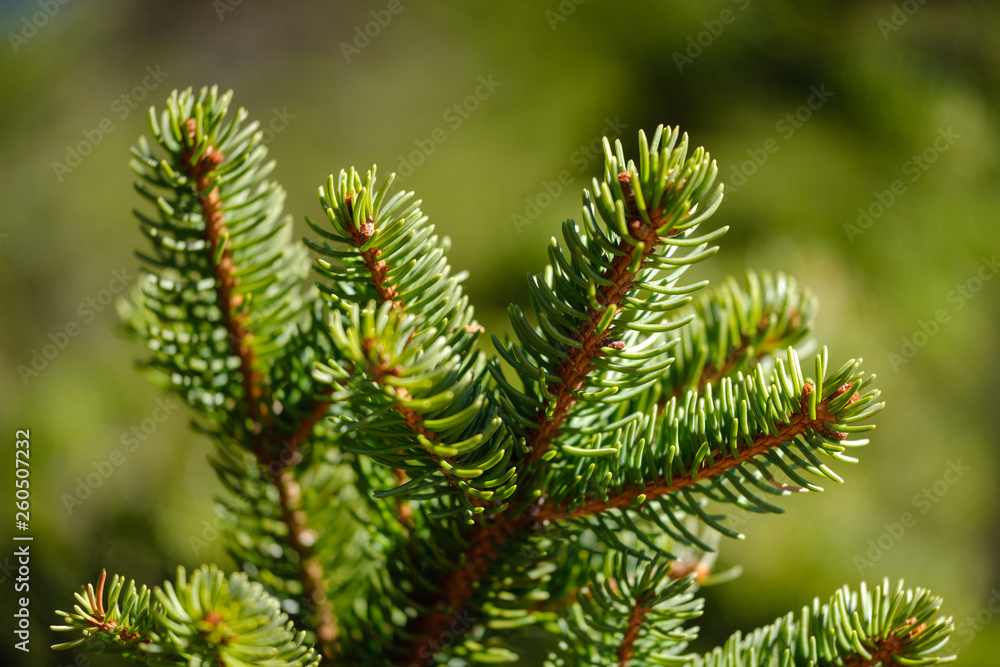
x=305, y=428
x=799, y=423
x=635, y=620
x=234, y=319
x=301, y=538
x=573, y=371
x=377, y=268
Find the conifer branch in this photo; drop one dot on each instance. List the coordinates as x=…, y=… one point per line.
x=617, y=281
x=799, y=423
x=885, y=654
x=199, y=163
x=487, y=541
x=424, y=396
x=631, y=444
x=199, y=170
x=636, y=617
x=360, y=235
x=300, y=535
x=205, y=619
x=864, y=628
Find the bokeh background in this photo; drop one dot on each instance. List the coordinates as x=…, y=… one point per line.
x=819, y=114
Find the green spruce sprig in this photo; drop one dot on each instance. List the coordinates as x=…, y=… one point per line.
x=222, y=307
x=406, y=498
x=207, y=619
x=864, y=628
x=406, y=337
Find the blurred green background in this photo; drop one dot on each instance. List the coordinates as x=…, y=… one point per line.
x=860, y=137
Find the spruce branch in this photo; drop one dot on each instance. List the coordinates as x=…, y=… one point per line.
x=121, y=628
x=217, y=235
x=729, y=446
x=605, y=295
x=731, y=474
x=378, y=462
x=199, y=169
x=406, y=335
x=864, y=628
x=220, y=300
x=631, y=613
x=713, y=464
x=659, y=461
x=606, y=291
x=198, y=164
x=592, y=335
x=205, y=619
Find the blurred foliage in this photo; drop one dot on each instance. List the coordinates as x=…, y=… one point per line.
x=889, y=94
